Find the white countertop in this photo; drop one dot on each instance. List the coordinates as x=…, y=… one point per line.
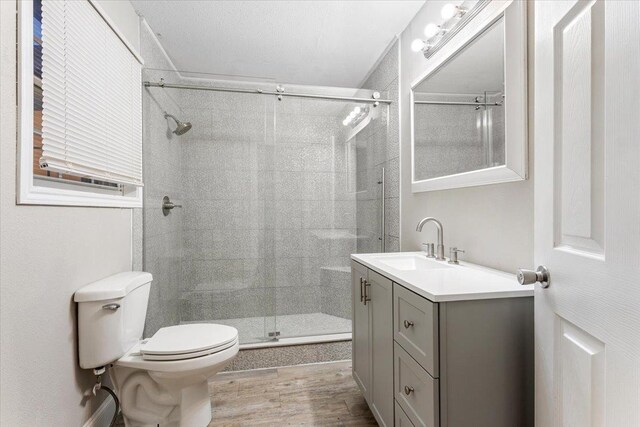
x=440, y=281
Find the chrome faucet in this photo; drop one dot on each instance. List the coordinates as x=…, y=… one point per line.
x=440, y=247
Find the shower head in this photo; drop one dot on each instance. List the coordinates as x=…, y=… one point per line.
x=182, y=127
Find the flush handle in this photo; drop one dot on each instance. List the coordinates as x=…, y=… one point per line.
x=112, y=307
x=529, y=277
x=408, y=324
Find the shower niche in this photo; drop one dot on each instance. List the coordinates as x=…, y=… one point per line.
x=468, y=108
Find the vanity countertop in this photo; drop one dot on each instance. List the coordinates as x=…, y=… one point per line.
x=440, y=281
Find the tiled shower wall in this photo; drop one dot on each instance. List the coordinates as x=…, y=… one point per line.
x=162, y=241
x=266, y=208
x=378, y=147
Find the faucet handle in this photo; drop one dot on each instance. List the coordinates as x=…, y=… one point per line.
x=453, y=255
x=429, y=249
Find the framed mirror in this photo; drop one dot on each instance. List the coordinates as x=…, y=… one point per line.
x=468, y=109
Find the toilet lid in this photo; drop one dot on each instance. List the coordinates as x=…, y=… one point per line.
x=184, y=341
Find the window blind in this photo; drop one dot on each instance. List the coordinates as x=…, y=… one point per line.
x=92, y=96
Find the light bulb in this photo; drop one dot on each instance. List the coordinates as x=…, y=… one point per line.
x=448, y=11
x=352, y=115
x=431, y=30
x=345, y=122
x=417, y=45
x=357, y=110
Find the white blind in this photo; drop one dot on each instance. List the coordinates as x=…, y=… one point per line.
x=92, y=96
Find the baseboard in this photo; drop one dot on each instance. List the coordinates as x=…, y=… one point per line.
x=102, y=416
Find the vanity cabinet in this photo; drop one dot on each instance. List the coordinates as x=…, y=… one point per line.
x=456, y=363
x=372, y=340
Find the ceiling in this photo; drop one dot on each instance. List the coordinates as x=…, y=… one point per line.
x=324, y=43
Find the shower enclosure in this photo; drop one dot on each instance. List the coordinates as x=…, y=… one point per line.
x=277, y=189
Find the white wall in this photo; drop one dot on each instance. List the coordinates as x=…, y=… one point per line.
x=46, y=253
x=493, y=223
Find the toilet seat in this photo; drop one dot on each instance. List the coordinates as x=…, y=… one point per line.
x=181, y=342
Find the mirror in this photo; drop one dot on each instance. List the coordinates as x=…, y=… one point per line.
x=468, y=111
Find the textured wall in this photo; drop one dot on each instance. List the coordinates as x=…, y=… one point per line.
x=46, y=254
x=266, y=210
x=378, y=148
x=493, y=223
x=162, y=164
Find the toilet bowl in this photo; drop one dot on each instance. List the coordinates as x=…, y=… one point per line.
x=164, y=380
x=161, y=380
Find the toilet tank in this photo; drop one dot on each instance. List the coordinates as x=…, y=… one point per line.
x=111, y=315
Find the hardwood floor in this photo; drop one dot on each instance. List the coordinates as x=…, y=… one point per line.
x=310, y=395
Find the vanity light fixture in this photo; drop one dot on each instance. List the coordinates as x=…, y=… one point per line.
x=450, y=10
x=455, y=17
x=431, y=30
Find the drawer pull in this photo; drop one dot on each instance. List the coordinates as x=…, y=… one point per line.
x=408, y=390
x=408, y=324
x=361, y=293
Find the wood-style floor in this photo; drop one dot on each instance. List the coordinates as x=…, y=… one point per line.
x=308, y=395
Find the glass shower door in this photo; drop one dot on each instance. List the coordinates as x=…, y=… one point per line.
x=315, y=207
x=225, y=171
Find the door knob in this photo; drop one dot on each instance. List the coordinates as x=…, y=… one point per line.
x=408, y=390
x=529, y=277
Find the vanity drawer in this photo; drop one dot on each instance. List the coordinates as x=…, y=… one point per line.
x=415, y=390
x=402, y=420
x=415, y=327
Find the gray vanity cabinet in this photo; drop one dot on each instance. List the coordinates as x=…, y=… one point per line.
x=373, y=340
x=360, y=331
x=456, y=363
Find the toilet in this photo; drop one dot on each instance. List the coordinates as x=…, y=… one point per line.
x=162, y=380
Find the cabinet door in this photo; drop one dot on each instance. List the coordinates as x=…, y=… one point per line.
x=360, y=331
x=379, y=292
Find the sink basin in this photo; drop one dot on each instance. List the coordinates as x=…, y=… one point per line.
x=411, y=262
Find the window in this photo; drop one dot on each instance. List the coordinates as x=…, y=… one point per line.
x=80, y=109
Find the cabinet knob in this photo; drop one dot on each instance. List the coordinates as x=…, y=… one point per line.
x=408, y=390
x=408, y=324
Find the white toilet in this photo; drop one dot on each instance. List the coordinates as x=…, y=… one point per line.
x=161, y=380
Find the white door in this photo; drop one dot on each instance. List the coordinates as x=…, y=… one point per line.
x=587, y=212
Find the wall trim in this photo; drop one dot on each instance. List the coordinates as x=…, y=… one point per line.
x=102, y=416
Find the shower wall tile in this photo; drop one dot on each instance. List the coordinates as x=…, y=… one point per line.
x=297, y=299
x=214, y=274
x=392, y=244
x=223, y=243
x=392, y=216
x=379, y=148
x=223, y=185
x=209, y=154
x=319, y=186
x=392, y=180
x=162, y=236
x=320, y=158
